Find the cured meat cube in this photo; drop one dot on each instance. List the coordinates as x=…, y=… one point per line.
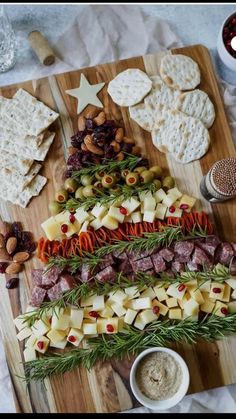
x=107, y=274
x=193, y=267
x=170, y=273
x=158, y=263
x=125, y=267
x=233, y=266
x=177, y=266
x=55, y=292
x=37, y=296
x=131, y=276
x=167, y=254
x=209, y=245
x=183, y=251
x=200, y=257
x=151, y=272
x=224, y=253
x=107, y=261
x=138, y=255
x=120, y=254
x=142, y=265
x=36, y=276
x=50, y=277
x=86, y=273
x=66, y=282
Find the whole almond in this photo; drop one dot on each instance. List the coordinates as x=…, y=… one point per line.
x=4, y=255
x=21, y=257
x=128, y=140
x=119, y=135
x=81, y=123
x=100, y=119
x=5, y=228
x=13, y=268
x=2, y=241
x=11, y=244
x=92, y=113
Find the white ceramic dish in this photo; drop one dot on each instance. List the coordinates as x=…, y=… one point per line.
x=225, y=56
x=160, y=404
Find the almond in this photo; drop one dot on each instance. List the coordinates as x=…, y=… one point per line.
x=81, y=123
x=21, y=257
x=100, y=119
x=13, y=268
x=119, y=135
x=11, y=244
x=5, y=228
x=2, y=241
x=4, y=255
x=92, y=113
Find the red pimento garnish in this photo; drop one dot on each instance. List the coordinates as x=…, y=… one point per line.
x=60, y=198
x=216, y=290
x=172, y=208
x=155, y=309
x=181, y=287
x=71, y=338
x=110, y=328
x=184, y=206
x=72, y=218
x=123, y=210
x=132, y=180
x=64, y=228
x=40, y=345
x=94, y=314
x=109, y=179
x=224, y=311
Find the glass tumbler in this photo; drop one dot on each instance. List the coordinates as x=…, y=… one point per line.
x=7, y=42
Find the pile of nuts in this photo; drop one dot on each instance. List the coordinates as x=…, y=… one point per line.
x=16, y=247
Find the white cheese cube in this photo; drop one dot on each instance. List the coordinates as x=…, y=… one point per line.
x=60, y=322
x=149, y=216
x=207, y=306
x=89, y=328
x=148, y=292
x=130, y=205
x=96, y=224
x=175, y=313
x=75, y=336
x=130, y=316
x=160, y=292
x=86, y=302
x=139, y=324
x=132, y=292
x=149, y=203
x=142, y=207
x=136, y=217
x=29, y=354
x=169, y=200
x=106, y=312
x=159, y=195
x=176, y=213
x=141, y=303
x=56, y=336
x=173, y=291
x=40, y=328
x=41, y=344
x=226, y=295
x=121, y=324
x=217, y=290
x=205, y=286
x=116, y=214
x=51, y=228
x=63, y=217
x=76, y=318
x=87, y=310
x=24, y=333
x=128, y=219
x=118, y=309
x=191, y=307
x=175, y=193
x=31, y=341
x=20, y=322
x=219, y=309
x=59, y=345
x=163, y=308
x=73, y=228
x=232, y=307
x=233, y=295
x=147, y=316
x=197, y=295
x=98, y=303
x=118, y=296
x=81, y=215
x=231, y=282
x=171, y=302
x=99, y=210
x=103, y=323
x=84, y=227
x=109, y=222
x=161, y=211
x=192, y=318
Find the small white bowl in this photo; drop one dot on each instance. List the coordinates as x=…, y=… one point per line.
x=160, y=404
x=225, y=56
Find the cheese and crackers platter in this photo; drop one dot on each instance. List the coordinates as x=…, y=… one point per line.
x=117, y=231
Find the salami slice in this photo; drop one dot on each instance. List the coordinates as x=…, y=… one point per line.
x=38, y=295
x=142, y=265
x=209, y=245
x=167, y=254
x=224, y=253
x=200, y=257
x=36, y=277
x=51, y=276
x=107, y=274
x=158, y=263
x=183, y=251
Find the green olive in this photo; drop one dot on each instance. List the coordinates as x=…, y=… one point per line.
x=79, y=193
x=108, y=181
x=88, y=191
x=132, y=179
x=86, y=180
x=61, y=195
x=115, y=189
x=124, y=173
x=168, y=182
x=140, y=169
x=54, y=207
x=157, y=184
x=71, y=185
x=146, y=176
x=157, y=170
x=98, y=185
x=99, y=175
x=116, y=175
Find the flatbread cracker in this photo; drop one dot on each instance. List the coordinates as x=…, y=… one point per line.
x=22, y=199
x=14, y=162
x=143, y=116
x=15, y=180
x=180, y=72
x=129, y=87
x=197, y=104
x=161, y=94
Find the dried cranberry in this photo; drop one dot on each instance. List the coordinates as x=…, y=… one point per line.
x=30, y=247
x=40, y=345
x=12, y=283
x=123, y=210
x=72, y=218
x=71, y=338
x=127, y=148
x=77, y=139
x=64, y=228
x=224, y=310
x=3, y=267
x=94, y=314
x=110, y=328
x=155, y=309
x=16, y=228
x=172, y=209
x=181, y=287
x=89, y=124
x=216, y=290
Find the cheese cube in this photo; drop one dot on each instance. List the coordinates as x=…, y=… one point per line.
x=60, y=322
x=128, y=219
x=86, y=302
x=206, y=297
x=29, y=354
x=59, y=345
x=161, y=211
x=101, y=325
x=75, y=336
x=132, y=292
x=163, y=308
x=20, y=322
x=175, y=313
x=63, y=217
x=96, y=224
x=175, y=193
x=207, y=306
x=196, y=295
x=147, y=316
x=40, y=328
x=99, y=211
x=87, y=315
x=185, y=298
x=232, y=307
x=121, y=324
x=109, y=222
x=31, y=341
x=218, y=307
x=192, y=284
x=218, y=287
x=149, y=203
x=171, y=302
x=118, y=309
x=84, y=227
x=73, y=228
x=149, y=216
x=56, y=336
x=113, y=321
x=233, y=295
x=143, y=194
x=142, y=207
x=118, y=296
x=130, y=316
x=205, y=286
x=231, y=282
x=188, y=200
x=226, y=295
x=81, y=215
x=148, y=292
x=139, y=324
x=136, y=217
x=169, y=200
x=76, y=318
x=116, y=214
x=51, y=228
x=89, y=328
x=191, y=307
x=160, y=292
x=98, y=303
x=192, y=318
x=159, y=195
x=140, y=303
x=41, y=344
x=173, y=291
x=24, y=333
x=176, y=213
x=106, y=312
x=130, y=205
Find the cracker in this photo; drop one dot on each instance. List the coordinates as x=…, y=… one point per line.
x=14, y=162
x=142, y=115
x=17, y=181
x=129, y=87
x=197, y=104
x=22, y=199
x=180, y=72
x=161, y=94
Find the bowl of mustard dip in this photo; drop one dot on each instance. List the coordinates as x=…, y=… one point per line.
x=159, y=378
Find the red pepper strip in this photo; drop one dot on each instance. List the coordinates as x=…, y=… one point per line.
x=55, y=244
x=44, y=258
x=90, y=243
x=40, y=245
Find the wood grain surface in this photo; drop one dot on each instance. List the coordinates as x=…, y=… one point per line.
x=106, y=388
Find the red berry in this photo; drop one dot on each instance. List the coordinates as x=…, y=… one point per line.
x=123, y=210
x=94, y=314
x=156, y=309
x=224, y=310
x=181, y=287
x=172, y=208
x=64, y=228
x=71, y=338
x=234, y=21
x=184, y=206
x=72, y=218
x=217, y=290
x=110, y=328
x=40, y=345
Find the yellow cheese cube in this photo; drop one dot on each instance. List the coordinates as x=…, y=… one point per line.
x=99, y=211
x=75, y=336
x=29, y=354
x=188, y=200
x=109, y=222
x=56, y=336
x=31, y=341
x=191, y=307
x=51, y=228
x=60, y=322
x=87, y=310
x=130, y=316
x=85, y=302
x=176, y=291
x=231, y=282
x=40, y=327
x=96, y=224
x=76, y=318
x=121, y=324
x=192, y=318
x=89, y=328
x=232, y=307
x=207, y=306
x=136, y=217
x=163, y=308
x=159, y=195
x=217, y=290
x=175, y=192
x=41, y=344
x=139, y=324
x=72, y=228
x=24, y=333
x=116, y=214
x=106, y=312
x=226, y=295
x=185, y=298
x=175, y=313
x=161, y=211
x=59, y=345
x=171, y=302
x=205, y=286
x=81, y=215
x=196, y=295
x=147, y=316
x=206, y=297
x=220, y=308
x=148, y=292
x=130, y=205
x=233, y=295
x=176, y=213
x=118, y=309
x=118, y=296
x=160, y=293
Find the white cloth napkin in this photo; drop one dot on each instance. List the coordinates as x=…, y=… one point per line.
x=104, y=33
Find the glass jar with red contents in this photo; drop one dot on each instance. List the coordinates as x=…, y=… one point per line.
x=226, y=44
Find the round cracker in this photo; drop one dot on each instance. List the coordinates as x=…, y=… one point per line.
x=197, y=104
x=142, y=115
x=180, y=72
x=129, y=87
x=161, y=94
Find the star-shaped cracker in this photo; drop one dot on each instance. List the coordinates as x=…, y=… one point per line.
x=86, y=94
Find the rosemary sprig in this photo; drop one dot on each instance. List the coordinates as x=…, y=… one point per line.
x=130, y=342
x=130, y=162
x=75, y=262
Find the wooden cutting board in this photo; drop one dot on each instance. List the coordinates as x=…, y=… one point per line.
x=106, y=388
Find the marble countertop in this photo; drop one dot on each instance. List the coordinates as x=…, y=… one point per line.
x=193, y=24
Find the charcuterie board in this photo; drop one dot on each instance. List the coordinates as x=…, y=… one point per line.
x=106, y=387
